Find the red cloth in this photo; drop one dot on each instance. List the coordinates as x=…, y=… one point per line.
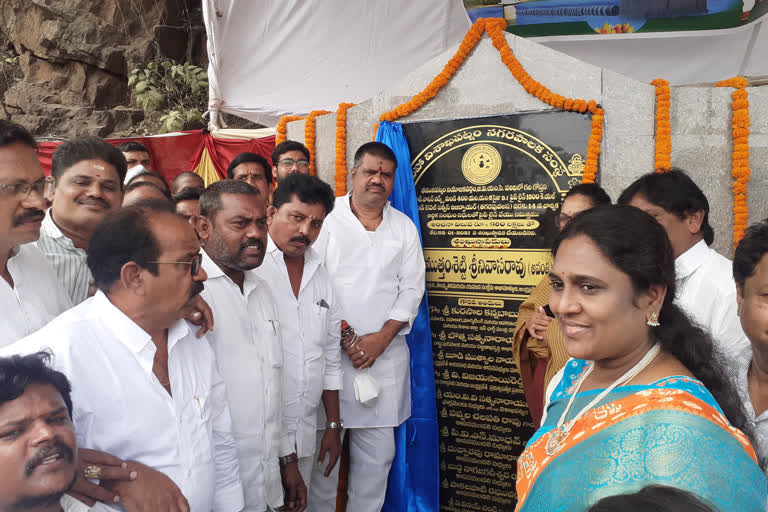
x=174, y=154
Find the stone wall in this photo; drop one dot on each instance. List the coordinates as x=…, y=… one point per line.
x=701, y=121
x=75, y=56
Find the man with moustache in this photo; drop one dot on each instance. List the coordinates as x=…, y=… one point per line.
x=233, y=232
x=253, y=169
x=38, y=451
x=289, y=157
x=310, y=324
x=374, y=257
x=89, y=175
x=30, y=294
x=145, y=389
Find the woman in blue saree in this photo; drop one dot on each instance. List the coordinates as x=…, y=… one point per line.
x=644, y=399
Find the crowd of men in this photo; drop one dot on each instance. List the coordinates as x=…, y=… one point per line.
x=207, y=348
x=180, y=348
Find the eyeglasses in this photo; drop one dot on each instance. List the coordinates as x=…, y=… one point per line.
x=289, y=162
x=43, y=186
x=195, y=264
x=562, y=219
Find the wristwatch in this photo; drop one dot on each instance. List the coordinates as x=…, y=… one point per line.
x=288, y=459
x=333, y=425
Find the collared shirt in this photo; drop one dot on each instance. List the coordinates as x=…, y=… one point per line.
x=69, y=262
x=35, y=298
x=378, y=276
x=741, y=362
x=706, y=291
x=246, y=340
x=120, y=406
x=310, y=328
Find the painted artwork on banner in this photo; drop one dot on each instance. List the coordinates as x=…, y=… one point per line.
x=534, y=18
x=487, y=189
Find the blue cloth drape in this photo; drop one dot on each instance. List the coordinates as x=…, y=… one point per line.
x=414, y=481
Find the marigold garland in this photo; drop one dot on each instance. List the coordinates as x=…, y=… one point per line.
x=282, y=126
x=663, y=159
x=341, y=148
x=495, y=27
x=740, y=156
x=309, y=137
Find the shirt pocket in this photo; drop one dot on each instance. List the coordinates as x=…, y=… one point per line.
x=197, y=419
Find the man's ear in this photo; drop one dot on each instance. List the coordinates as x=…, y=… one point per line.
x=202, y=225
x=693, y=221
x=271, y=212
x=132, y=277
x=739, y=298
x=655, y=297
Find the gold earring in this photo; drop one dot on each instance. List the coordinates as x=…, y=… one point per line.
x=653, y=320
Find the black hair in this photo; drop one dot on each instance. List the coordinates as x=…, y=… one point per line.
x=378, y=149
x=636, y=244
x=132, y=145
x=78, y=149
x=180, y=176
x=17, y=372
x=188, y=194
x=286, y=146
x=596, y=194
x=166, y=190
x=210, y=199
x=13, y=133
x=123, y=236
x=675, y=192
x=309, y=190
x=249, y=157
x=653, y=498
x=749, y=252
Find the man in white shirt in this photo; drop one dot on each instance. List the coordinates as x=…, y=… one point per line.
x=233, y=231
x=749, y=369
x=30, y=295
x=310, y=325
x=89, y=177
x=38, y=452
x=145, y=389
x=374, y=257
x=706, y=291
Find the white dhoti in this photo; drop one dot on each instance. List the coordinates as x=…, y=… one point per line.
x=371, y=452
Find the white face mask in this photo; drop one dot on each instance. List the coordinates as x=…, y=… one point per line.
x=366, y=389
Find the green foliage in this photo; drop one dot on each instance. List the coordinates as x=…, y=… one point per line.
x=178, y=91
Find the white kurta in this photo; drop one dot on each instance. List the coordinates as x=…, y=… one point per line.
x=121, y=408
x=310, y=328
x=246, y=339
x=707, y=293
x=378, y=276
x=35, y=299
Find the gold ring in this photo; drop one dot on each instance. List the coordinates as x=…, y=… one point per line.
x=92, y=472
x=362, y=353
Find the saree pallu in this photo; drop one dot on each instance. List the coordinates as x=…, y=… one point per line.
x=671, y=433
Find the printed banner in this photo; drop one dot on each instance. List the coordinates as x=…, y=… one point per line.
x=533, y=18
x=487, y=189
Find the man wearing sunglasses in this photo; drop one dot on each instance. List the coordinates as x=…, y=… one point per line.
x=288, y=157
x=145, y=389
x=30, y=295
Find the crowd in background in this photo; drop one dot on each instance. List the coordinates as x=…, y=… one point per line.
x=200, y=348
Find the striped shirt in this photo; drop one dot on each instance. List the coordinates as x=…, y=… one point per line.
x=68, y=261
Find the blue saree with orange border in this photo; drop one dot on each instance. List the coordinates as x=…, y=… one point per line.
x=671, y=432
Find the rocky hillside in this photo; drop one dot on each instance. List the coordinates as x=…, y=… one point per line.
x=64, y=63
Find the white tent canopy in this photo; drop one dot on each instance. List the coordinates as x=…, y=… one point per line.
x=278, y=57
